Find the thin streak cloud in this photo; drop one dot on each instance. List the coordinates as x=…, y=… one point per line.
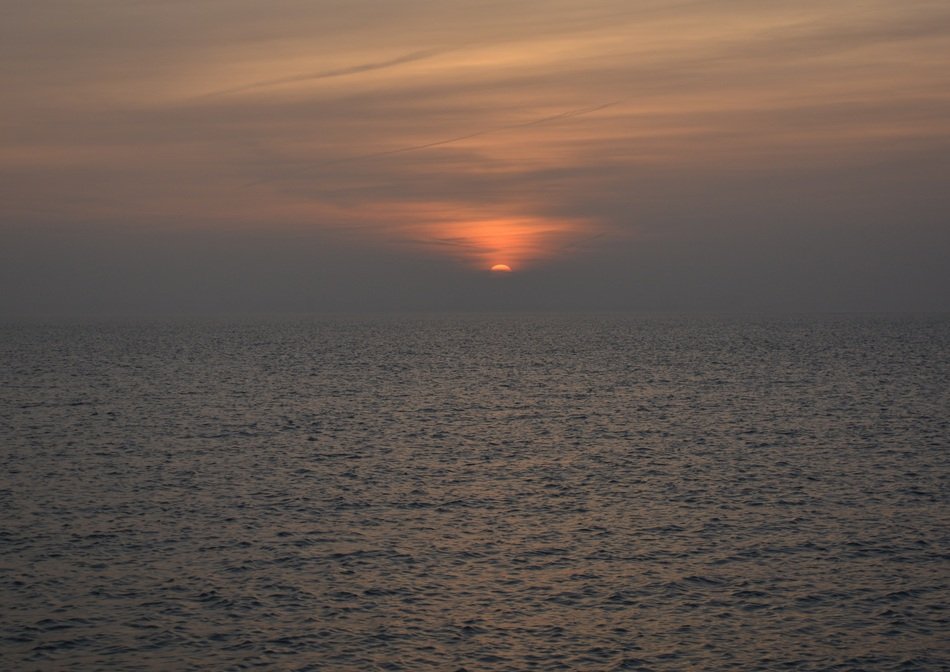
x=329, y=74
x=437, y=143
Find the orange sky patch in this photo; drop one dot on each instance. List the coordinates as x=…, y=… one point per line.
x=516, y=241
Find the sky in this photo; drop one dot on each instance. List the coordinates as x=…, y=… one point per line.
x=239, y=156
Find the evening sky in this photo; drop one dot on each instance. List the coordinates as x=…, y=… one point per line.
x=233, y=156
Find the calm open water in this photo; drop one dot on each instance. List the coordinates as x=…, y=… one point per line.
x=480, y=493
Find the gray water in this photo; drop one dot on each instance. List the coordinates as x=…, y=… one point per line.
x=662, y=493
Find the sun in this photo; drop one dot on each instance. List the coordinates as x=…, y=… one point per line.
x=501, y=268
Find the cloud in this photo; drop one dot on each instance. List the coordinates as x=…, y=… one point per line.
x=328, y=74
x=468, y=136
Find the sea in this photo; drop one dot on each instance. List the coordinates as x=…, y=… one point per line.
x=477, y=493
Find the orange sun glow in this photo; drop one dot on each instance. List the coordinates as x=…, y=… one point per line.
x=499, y=244
x=520, y=241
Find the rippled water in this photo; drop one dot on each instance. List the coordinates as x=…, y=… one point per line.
x=478, y=493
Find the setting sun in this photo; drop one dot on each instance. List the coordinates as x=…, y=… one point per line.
x=520, y=240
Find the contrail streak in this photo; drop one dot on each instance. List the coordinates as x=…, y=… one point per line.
x=327, y=74
x=437, y=143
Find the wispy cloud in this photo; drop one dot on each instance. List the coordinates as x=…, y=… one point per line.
x=411, y=57
x=459, y=138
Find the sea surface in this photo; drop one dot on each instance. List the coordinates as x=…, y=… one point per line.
x=477, y=493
